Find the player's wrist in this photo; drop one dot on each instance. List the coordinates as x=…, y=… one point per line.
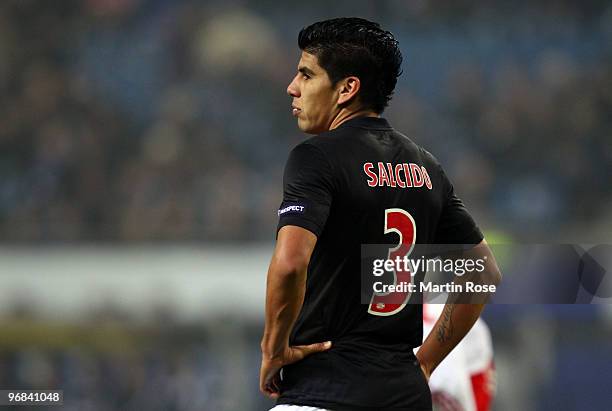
x=272, y=352
x=426, y=366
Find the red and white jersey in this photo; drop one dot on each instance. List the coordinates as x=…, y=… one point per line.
x=465, y=380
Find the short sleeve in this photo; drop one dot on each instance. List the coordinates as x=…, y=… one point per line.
x=456, y=225
x=307, y=189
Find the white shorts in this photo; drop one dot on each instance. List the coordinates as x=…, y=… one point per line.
x=296, y=408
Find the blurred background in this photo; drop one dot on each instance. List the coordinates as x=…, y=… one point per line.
x=142, y=144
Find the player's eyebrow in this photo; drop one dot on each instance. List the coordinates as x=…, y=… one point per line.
x=306, y=70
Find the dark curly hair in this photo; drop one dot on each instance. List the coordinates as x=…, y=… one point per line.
x=352, y=46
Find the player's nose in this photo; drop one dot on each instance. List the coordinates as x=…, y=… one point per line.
x=292, y=89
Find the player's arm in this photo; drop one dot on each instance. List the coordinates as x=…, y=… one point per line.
x=458, y=317
x=286, y=286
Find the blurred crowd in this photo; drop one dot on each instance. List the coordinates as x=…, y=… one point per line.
x=117, y=370
x=146, y=120
x=118, y=364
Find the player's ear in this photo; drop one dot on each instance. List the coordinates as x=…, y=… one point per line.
x=348, y=89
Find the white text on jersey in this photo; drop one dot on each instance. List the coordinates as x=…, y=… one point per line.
x=403, y=175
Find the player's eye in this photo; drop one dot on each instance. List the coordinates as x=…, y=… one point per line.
x=303, y=74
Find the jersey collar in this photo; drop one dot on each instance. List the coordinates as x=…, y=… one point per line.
x=371, y=123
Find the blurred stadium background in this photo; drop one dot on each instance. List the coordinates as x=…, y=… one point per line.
x=141, y=152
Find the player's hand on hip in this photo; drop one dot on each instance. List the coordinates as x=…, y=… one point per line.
x=269, y=376
x=298, y=352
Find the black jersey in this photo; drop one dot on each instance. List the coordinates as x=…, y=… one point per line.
x=347, y=186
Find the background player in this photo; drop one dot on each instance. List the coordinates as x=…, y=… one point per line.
x=357, y=182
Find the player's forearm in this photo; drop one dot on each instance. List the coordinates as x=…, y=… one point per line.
x=284, y=299
x=454, y=323
x=461, y=310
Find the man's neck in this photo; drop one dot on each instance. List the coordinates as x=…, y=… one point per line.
x=346, y=115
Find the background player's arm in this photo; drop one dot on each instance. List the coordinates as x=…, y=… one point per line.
x=457, y=318
x=286, y=286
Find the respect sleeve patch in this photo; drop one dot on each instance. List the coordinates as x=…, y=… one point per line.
x=291, y=208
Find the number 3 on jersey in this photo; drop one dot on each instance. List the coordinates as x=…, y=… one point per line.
x=401, y=222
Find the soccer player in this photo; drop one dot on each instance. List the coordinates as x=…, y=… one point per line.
x=357, y=181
